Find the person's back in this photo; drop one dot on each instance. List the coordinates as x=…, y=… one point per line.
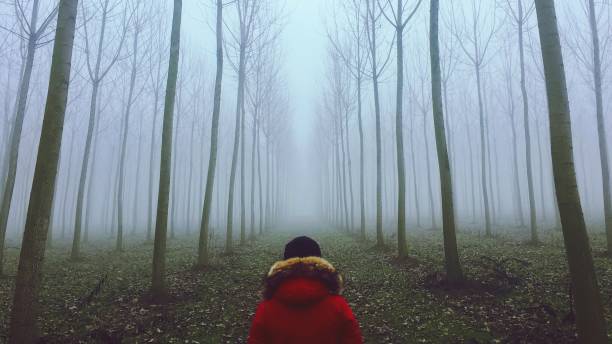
x=302, y=302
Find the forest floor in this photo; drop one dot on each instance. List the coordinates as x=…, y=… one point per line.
x=518, y=293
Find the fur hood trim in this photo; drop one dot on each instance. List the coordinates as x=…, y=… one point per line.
x=311, y=267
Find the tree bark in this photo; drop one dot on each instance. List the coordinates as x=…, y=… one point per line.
x=451, y=252
x=203, y=251
x=601, y=125
x=126, y=128
x=402, y=244
x=22, y=328
x=532, y=211
x=590, y=321
x=373, y=59
x=158, y=285
x=15, y=136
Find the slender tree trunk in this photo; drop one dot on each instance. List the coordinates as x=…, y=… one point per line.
x=67, y=187
x=432, y=209
x=402, y=244
x=601, y=125
x=15, y=136
x=150, y=200
x=190, y=180
x=590, y=321
x=350, y=175
x=203, y=251
x=22, y=328
x=126, y=128
x=253, y=147
x=532, y=211
x=451, y=253
x=137, y=179
x=344, y=176
x=76, y=241
x=518, y=204
x=229, y=245
x=242, y=177
x=414, y=174
x=261, y=214
x=483, y=154
x=158, y=285
x=175, y=186
x=267, y=211
x=361, y=159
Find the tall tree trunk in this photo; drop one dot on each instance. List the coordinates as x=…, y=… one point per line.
x=516, y=196
x=402, y=244
x=373, y=59
x=361, y=159
x=253, y=161
x=158, y=285
x=242, y=180
x=451, y=253
x=137, y=179
x=229, y=234
x=174, y=205
x=203, y=253
x=22, y=328
x=15, y=136
x=432, y=209
x=344, y=177
x=415, y=190
x=532, y=210
x=67, y=187
x=126, y=128
x=150, y=200
x=590, y=321
x=190, y=180
x=76, y=240
x=261, y=214
x=267, y=211
x=483, y=153
x=601, y=125
x=350, y=176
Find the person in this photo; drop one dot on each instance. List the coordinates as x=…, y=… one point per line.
x=302, y=303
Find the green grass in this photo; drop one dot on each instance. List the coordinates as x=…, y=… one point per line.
x=392, y=300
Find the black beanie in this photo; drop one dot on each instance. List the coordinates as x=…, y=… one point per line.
x=302, y=247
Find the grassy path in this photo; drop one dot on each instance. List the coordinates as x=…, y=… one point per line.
x=395, y=302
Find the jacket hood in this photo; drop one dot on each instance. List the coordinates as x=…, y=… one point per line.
x=302, y=281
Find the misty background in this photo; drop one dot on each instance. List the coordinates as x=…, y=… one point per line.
x=296, y=148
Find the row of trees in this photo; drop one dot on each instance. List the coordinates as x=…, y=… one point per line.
x=362, y=49
x=119, y=63
x=511, y=78
x=122, y=42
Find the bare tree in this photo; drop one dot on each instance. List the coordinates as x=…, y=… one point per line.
x=355, y=55
x=520, y=17
x=451, y=253
x=34, y=35
x=158, y=285
x=203, y=249
x=397, y=20
x=96, y=73
x=22, y=328
x=373, y=15
x=590, y=320
x=135, y=64
x=475, y=41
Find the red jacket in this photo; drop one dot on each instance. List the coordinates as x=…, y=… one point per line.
x=302, y=305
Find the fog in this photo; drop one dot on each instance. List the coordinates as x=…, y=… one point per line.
x=299, y=148
x=304, y=39
x=409, y=138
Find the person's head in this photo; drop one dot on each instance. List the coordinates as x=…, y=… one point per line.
x=302, y=246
